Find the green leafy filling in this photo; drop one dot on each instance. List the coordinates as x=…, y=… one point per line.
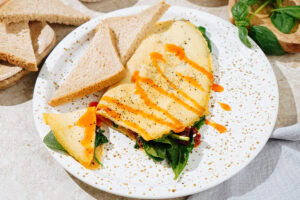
x=203, y=31
x=169, y=148
x=99, y=139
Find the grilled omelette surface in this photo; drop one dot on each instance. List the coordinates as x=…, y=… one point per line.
x=167, y=85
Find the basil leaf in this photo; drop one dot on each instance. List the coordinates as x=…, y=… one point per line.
x=266, y=40
x=203, y=31
x=293, y=11
x=240, y=10
x=243, y=33
x=244, y=23
x=283, y=22
x=100, y=138
x=249, y=2
x=51, y=142
x=200, y=122
x=155, y=150
x=178, y=156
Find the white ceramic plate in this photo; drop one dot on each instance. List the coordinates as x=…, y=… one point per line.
x=250, y=90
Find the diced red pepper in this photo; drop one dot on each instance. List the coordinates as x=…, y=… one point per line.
x=93, y=104
x=197, y=139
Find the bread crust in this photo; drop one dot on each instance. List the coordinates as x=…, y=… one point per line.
x=8, y=82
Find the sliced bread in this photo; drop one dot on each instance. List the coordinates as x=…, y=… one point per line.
x=54, y=11
x=131, y=30
x=43, y=41
x=16, y=47
x=99, y=67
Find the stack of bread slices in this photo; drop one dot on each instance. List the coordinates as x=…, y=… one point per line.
x=102, y=65
x=25, y=36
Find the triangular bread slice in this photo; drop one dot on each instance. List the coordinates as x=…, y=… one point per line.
x=54, y=11
x=99, y=67
x=43, y=41
x=131, y=30
x=75, y=131
x=16, y=47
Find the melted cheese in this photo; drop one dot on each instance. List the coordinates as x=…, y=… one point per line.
x=75, y=132
x=167, y=85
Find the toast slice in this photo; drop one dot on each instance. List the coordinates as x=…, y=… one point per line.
x=43, y=41
x=16, y=47
x=99, y=67
x=54, y=11
x=75, y=131
x=131, y=30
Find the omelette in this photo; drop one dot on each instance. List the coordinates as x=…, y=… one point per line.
x=167, y=85
x=76, y=133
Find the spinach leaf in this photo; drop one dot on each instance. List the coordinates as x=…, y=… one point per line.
x=200, y=122
x=164, y=140
x=100, y=138
x=155, y=150
x=244, y=22
x=51, y=142
x=178, y=156
x=278, y=3
x=283, y=22
x=240, y=10
x=266, y=40
x=115, y=125
x=243, y=33
x=203, y=31
x=249, y=2
x=293, y=11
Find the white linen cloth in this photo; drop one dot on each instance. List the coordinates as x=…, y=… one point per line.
x=273, y=175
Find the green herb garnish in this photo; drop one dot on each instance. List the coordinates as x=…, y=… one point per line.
x=283, y=22
x=266, y=40
x=293, y=11
x=283, y=18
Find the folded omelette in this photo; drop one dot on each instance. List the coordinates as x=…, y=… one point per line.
x=167, y=85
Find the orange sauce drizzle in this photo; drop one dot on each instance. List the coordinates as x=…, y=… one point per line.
x=150, y=82
x=88, y=121
x=149, y=103
x=218, y=127
x=155, y=56
x=179, y=52
x=217, y=88
x=117, y=117
x=139, y=112
x=191, y=80
x=225, y=106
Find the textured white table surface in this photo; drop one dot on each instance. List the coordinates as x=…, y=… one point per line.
x=27, y=171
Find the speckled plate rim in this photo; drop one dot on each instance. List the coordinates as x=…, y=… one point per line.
x=189, y=191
